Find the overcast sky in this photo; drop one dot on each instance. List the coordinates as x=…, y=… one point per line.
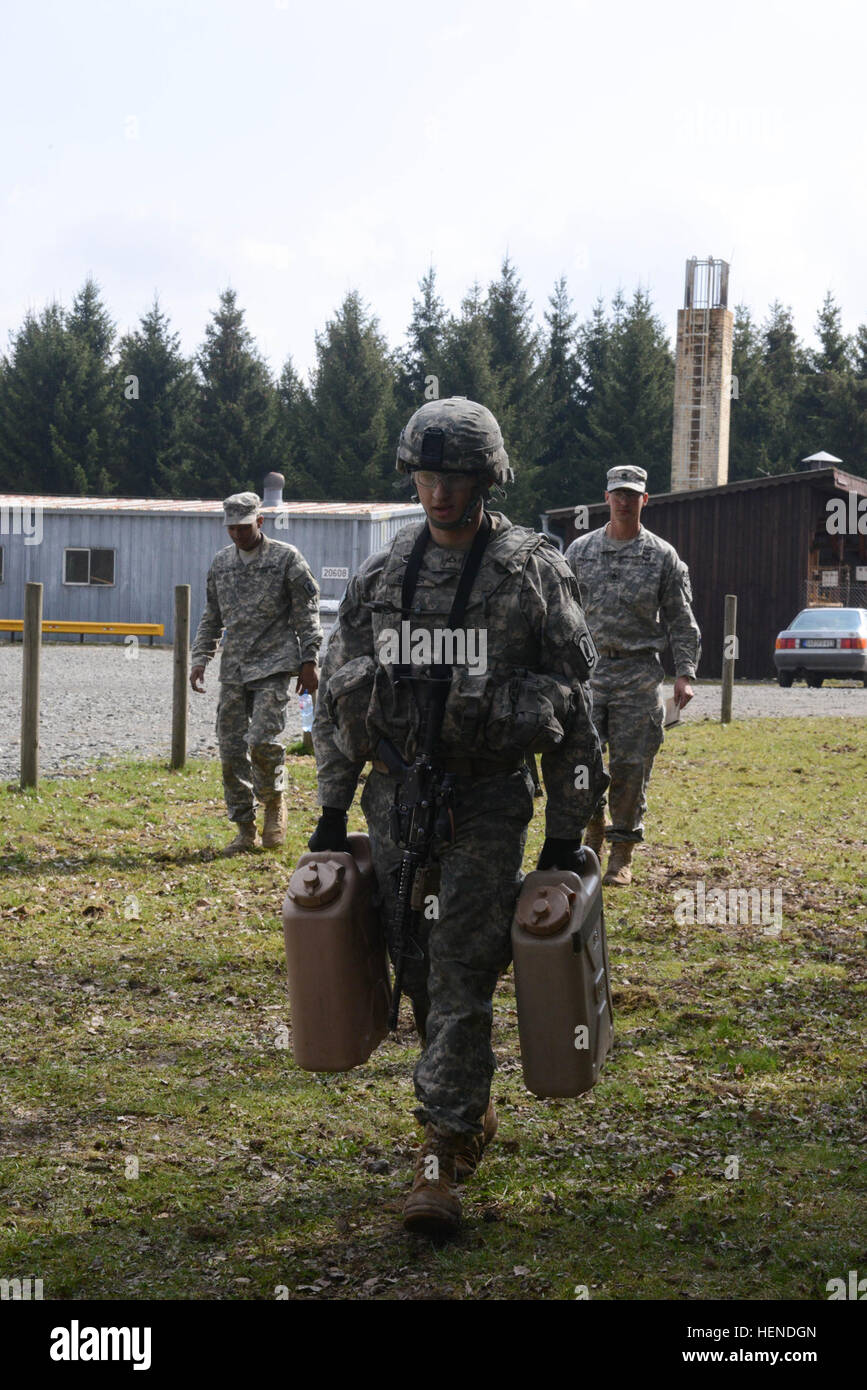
x=296, y=151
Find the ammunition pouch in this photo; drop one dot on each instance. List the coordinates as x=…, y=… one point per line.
x=347, y=697
x=501, y=712
x=394, y=712
x=366, y=703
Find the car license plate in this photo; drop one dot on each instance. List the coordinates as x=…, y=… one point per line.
x=819, y=642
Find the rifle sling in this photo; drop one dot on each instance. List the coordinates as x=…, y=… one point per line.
x=469, y=570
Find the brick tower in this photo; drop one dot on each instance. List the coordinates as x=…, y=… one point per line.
x=702, y=379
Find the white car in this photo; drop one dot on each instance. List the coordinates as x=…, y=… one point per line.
x=822, y=643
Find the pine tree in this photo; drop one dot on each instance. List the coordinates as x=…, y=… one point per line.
x=593, y=347
x=748, y=457
x=86, y=427
x=783, y=361
x=295, y=432
x=158, y=396
x=857, y=461
x=33, y=374
x=594, y=341
x=467, y=353
x=232, y=441
x=58, y=401
x=847, y=413
x=354, y=417
x=859, y=352
x=825, y=407
x=90, y=322
x=514, y=341
x=558, y=456
x=421, y=357
x=514, y=362
x=835, y=354
x=468, y=371
x=631, y=413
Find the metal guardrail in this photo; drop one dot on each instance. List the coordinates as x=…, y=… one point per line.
x=151, y=630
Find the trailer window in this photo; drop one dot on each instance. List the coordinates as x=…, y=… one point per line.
x=102, y=566
x=88, y=566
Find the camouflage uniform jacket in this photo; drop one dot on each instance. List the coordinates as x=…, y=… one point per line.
x=269, y=609
x=637, y=596
x=532, y=695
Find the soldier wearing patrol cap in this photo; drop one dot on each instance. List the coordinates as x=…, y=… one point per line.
x=533, y=694
x=636, y=596
x=262, y=592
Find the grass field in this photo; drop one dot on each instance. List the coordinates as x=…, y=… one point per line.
x=156, y=1139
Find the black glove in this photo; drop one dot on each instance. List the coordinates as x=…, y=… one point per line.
x=563, y=854
x=330, y=833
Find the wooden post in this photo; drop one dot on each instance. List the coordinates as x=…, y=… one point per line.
x=32, y=642
x=730, y=656
x=180, y=694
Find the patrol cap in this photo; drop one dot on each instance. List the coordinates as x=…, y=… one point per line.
x=241, y=508
x=635, y=479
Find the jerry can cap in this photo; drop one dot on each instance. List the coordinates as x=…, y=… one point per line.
x=316, y=883
x=547, y=910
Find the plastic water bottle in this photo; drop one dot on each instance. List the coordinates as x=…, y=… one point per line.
x=305, y=703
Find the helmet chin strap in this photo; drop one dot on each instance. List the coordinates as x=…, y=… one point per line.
x=476, y=500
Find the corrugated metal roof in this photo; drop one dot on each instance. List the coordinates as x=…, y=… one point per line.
x=847, y=482
x=377, y=511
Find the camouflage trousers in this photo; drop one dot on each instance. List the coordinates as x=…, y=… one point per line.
x=250, y=720
x=455, y=957
x=628, y=711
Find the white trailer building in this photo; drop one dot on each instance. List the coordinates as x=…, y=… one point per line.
x=106, y=559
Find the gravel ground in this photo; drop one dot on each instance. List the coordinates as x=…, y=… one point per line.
x=97, y=703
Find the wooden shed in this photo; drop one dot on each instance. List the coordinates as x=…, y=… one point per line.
x=780, y=543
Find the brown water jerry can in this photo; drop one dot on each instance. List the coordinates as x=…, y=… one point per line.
x=339, y=991
x=562, y=980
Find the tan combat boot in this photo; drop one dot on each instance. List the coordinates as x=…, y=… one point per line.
x=433, y=1207
x=594, y=834
x=619, y=873
x=274, y=829
x=246, y=839
x=470, y=1147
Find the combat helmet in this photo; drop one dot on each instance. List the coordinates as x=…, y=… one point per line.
x=454, y=435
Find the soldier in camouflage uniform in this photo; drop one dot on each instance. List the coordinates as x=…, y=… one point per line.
x=636, y=595
x=531, y=695
x=263, y=593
